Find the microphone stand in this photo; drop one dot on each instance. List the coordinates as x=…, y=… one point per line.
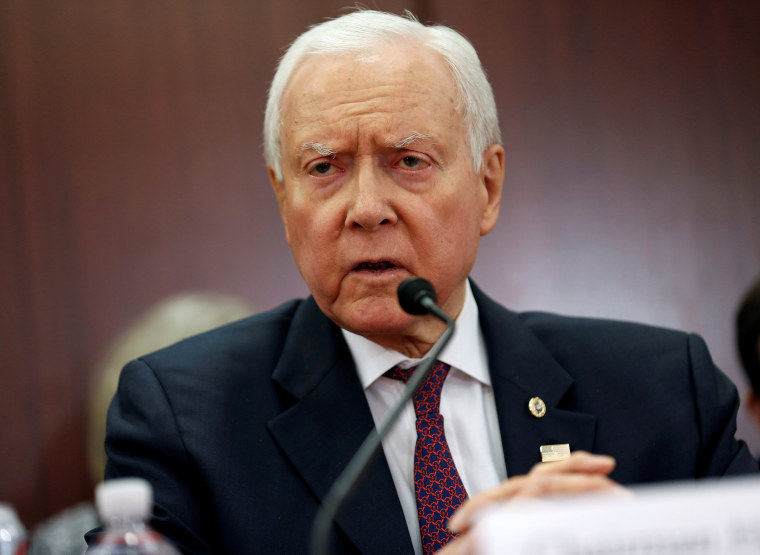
x=359, y=463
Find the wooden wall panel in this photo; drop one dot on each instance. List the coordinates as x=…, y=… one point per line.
x=633, y=178
x=131, y=169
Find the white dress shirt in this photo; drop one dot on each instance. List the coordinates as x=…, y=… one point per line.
x=467, y=406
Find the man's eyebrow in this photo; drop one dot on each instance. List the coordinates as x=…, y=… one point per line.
x=321, y=149
x=411, y=139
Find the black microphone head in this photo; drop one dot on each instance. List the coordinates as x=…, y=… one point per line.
x=411, y=291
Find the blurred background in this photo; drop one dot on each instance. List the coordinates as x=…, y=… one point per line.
x=131, y=169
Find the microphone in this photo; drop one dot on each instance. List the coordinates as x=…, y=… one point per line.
x=416, y=296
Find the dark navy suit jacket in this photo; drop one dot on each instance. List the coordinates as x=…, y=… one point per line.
x=243, y=429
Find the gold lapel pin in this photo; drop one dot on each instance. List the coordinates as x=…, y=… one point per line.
x=537, y=407
x=553, y=453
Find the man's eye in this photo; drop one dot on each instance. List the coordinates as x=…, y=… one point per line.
x=412, y=163
x=323, y=168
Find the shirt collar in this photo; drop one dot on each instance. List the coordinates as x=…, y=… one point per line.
x=465, y=351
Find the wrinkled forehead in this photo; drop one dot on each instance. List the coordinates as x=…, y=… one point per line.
x=365, y=87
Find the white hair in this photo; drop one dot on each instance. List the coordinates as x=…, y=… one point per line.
x=364, y=30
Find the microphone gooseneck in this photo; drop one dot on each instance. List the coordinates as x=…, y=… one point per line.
x=416, y=296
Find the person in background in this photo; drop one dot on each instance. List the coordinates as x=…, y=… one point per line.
x=176, y=318
x=748, y=343
x=384, y=152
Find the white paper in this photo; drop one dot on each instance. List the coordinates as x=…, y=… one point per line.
x=707, y=518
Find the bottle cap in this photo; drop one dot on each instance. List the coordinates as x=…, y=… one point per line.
x=125, y=498
x=7, y=512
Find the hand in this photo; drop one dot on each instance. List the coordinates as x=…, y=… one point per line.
x=581, y=472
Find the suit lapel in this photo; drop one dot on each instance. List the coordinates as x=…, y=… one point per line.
x=521, y=368
x=327, y=424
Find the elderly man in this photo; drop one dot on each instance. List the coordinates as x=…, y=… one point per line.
x=384, y=153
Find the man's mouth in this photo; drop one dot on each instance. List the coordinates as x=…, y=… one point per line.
x=375, y=266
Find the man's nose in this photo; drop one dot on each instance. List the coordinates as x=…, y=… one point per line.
x=370, y=205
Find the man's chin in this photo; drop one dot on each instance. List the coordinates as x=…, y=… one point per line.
x=373, y=317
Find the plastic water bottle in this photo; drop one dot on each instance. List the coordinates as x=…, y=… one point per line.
x=124, y=507
x=13, y=538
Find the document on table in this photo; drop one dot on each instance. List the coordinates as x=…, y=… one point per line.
x=713, y=517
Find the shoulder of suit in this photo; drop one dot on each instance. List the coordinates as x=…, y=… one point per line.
x=549, y=320
x=574, y=330
x=570, y=331
x=256, y=335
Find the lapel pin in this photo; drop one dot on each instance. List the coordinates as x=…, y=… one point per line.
x=537, y=407
x=552, y=453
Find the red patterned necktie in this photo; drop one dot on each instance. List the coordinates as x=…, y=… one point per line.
x=437, y=485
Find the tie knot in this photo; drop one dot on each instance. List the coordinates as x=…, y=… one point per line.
x=428, y=397
x=401, y=374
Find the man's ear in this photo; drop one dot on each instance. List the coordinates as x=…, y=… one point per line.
x=753, y=406
x=279, y=191
x=492, y=178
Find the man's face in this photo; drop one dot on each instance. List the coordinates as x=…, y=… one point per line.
x=378, y=185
